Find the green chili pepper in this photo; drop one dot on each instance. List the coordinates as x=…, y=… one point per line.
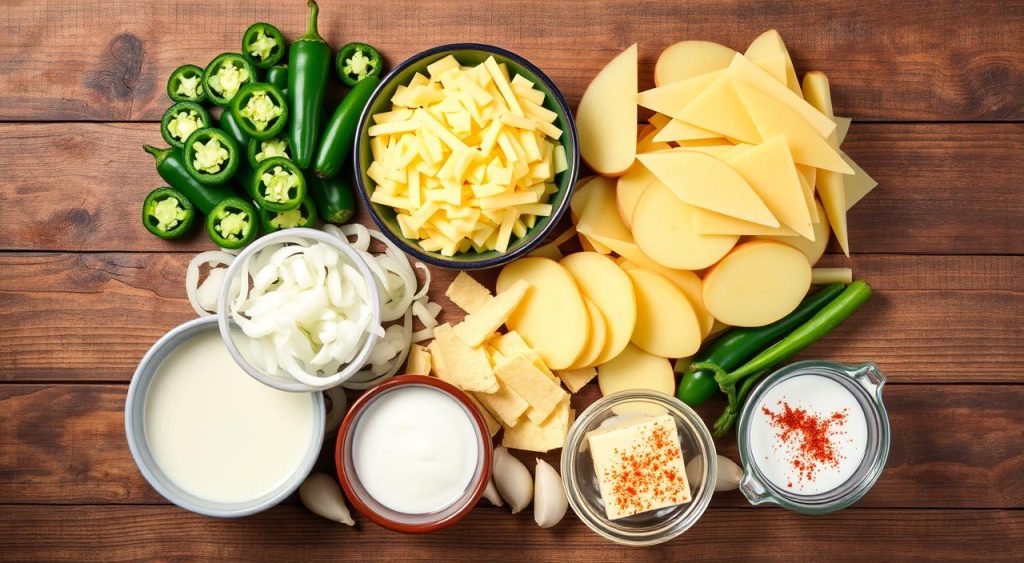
x=303, y=216
x=335, y=201
x=278, y=76
x=730, y=350
x=211, y=156
x=357, y=61
x=260, y=150
x=225, y=76
x=308, y=64
x=278, y=184
x=167, y=213
x=340, y=133
x=180, y=120
x=230, y=220
x=260, y=110
x=262, y=45
x=186, y=84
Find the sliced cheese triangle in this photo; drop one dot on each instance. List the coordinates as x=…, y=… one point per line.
x=770, y=170
x=672, y=98
x=703, y=180
x=842, y=128
x=769, y=43
x=774, y=64
x=808, y=177
x=679, y=130
x=710, y=223
x=742, y=70
x=773, y=118
x=719, y=109
x=858, y=185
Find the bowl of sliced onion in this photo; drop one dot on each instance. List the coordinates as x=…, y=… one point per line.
x=306, y=309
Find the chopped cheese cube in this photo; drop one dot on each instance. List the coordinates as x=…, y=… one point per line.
x=505, y=404
x=419, y=361
x=576, y=379
x=467, y=293
x=478, y=326
x=493, y=426
x=467, y=368
x=543, y=437
x=532, y=384
x=534, y=96
x=439, y=66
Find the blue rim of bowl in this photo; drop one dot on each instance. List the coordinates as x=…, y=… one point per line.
x=556, y=214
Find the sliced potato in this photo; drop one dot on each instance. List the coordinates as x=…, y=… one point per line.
x=691, y=285
x=603, y=282
x=687, y=59
x=666, y=324
x=629, y=188
x=812, y=249
x=606, y=110
x=636, y=369
x=759, y=282
x=598, y=336
x=552, y=318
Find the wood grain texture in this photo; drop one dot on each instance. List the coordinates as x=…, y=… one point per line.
x=98, y=60
x=107, y=533
x=87, y=193
x=90, y=317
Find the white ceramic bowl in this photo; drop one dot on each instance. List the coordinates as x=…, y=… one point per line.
x=135, y=430
x=237, y=342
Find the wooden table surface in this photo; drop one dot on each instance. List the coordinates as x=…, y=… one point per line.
x=935, y=90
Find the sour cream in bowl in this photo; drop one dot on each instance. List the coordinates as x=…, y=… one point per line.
x=413, y=454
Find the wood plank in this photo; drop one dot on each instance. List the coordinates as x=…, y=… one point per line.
x=86, y=193
x=952, y=446
x=106, y=533
x=91, y=317
x=97, y=60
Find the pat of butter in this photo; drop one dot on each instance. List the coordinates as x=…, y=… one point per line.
x=639, y=466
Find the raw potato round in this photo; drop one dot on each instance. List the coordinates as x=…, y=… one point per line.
x=815, y=249
x=552, y=318
x=602, y=281
x=607, y=110
x=629, y=188
x=636, y=369
x=598, y=336
x=692, y=286
x=757, y=283
x=666, y=324
x=687, y=59
x=663, y=229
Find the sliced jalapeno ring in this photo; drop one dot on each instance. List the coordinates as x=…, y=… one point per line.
x=186, y=84
x=303, y=216
x=225, y=76
x=167, y=213
x=260, y=150
x=357, y=61
x=211, y=156
x=232, y=223
x=180, y=120
x=260, y=109
x=278, y=184
x=263, y=45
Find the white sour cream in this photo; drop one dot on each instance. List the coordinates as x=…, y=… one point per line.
x=415, y=449
x=797, y=462
x=218, y=433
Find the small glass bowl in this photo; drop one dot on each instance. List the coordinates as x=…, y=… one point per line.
x=581, y=484
x=238, y=343
x=865, y=383
x=384, y=516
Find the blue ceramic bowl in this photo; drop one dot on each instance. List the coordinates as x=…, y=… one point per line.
x=467, y=54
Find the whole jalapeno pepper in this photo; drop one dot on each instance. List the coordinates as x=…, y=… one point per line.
x=262, y=45
x=225, y=76
x=230, y=220
x=211, y=156
x=278, y=76
x=340, y=133
x=167, y=213
x=180, y=120
x=357, y=61
x=186, y=84
x=278, y=185
x=260, y=110
x=302, y=216
x=334, y=198
x=308, y=65
x=259, y=150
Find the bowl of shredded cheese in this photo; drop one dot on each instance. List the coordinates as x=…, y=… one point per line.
x=466, y=155
x=300, y=310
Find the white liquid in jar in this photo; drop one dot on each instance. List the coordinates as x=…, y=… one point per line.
x=218, y=433
x=808, y=434
x=415, y=449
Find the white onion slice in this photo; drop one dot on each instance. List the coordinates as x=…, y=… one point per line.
x=213, y=258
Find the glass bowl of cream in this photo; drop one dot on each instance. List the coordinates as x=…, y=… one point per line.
x=814, y=436
x=582, y=457
x=413, y=454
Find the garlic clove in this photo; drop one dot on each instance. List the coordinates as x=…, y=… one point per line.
x=727, y=478
x=512, y=479
x=549, y=500
x=491, y=493
x=321, y=494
